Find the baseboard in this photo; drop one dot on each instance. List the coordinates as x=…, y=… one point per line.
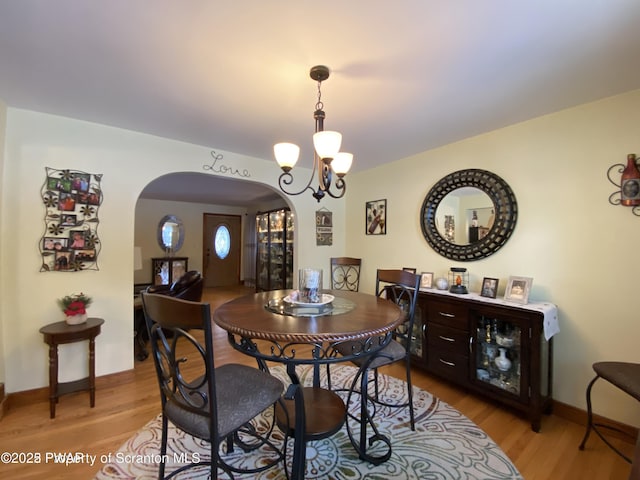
x=4, y=402
x=37, y=395
x=577, y=415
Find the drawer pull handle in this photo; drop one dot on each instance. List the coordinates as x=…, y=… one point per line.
x=451, y=364
x=444, y=314
x=448, y=339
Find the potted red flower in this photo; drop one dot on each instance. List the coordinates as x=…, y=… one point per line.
x=75, y=308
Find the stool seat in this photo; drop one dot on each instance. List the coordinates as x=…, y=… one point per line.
x=624, y=375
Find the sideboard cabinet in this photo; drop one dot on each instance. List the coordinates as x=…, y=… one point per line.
x=492, y=348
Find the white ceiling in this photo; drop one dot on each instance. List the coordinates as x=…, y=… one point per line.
x=407, y=75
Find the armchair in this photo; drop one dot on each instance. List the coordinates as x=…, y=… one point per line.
x=187, y=287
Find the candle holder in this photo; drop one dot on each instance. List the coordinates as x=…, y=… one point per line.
x=459, y=280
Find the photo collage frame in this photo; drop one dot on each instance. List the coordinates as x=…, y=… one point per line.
x=70, y=242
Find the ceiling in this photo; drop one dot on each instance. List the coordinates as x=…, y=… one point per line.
x=407, y=76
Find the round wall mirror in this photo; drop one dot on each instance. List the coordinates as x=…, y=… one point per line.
x=468, y=215
x=170, y=234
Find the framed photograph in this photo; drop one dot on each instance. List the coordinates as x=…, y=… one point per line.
x=62, y=260
x=69, y=220
x=77, y=239
x=518, y=289
x=80, y=182
x=489, y=287
x=60, y=184
x=67, y=202
x=426, y=280
x=57, y=244
x=85, y=256
x=376, y=217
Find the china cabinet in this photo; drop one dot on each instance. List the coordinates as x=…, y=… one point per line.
x=167, y=270
x=274, y=256
x=489, y=346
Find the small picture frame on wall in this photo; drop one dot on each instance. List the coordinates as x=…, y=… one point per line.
x=489, y=287
x=518, y=289
x=376, y=217
x=426, y=280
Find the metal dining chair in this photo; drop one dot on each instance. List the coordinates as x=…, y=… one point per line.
x=345, y=273
x=211, y=403
x=402, y=288
x=623, y=375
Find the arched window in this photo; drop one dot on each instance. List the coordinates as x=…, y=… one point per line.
x=222, y=242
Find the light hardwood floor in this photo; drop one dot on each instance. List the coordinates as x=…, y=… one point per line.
x=128, y=400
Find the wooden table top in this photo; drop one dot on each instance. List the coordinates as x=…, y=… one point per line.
x=63, y=327
x=248, y=317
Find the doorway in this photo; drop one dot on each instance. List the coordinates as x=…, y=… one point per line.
x=221, y=249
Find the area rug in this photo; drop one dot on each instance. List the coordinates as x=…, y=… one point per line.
x=445, y=445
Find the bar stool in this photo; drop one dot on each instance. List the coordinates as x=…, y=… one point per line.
x=625, y=376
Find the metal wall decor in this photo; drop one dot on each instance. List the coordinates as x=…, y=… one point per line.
x=70, y=242
x=504, y=203
x=324, y=227
x=627, y=180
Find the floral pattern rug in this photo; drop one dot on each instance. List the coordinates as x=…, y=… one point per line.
x=445, y=445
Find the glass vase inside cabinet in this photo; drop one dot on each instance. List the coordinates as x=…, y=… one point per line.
x=498, y=354
x=274, y=255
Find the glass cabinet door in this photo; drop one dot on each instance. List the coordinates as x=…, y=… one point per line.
x=262, y=254
x=276, y=254
x=417, y=337
x=274, y=262
x=496, y=359
x=288, y=254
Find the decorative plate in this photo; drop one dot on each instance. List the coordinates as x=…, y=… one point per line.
x=324, y=299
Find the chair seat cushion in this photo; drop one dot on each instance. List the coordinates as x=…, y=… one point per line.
x=393, y=352
x=624, y=375
x=243, y=392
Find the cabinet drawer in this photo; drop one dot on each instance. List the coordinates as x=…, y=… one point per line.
x=454, y=315
x=450, y=365
x=447, y=339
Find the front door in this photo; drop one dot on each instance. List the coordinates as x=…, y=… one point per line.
x=221, y=249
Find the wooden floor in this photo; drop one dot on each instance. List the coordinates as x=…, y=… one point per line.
x=126, y=401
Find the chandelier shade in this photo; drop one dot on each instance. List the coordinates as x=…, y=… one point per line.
x=286, y=155
x=327, y=143
x=327, y=156
x=342, y=163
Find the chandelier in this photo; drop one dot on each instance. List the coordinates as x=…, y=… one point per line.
x=327, y=159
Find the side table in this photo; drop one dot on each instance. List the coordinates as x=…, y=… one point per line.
x=59, y=333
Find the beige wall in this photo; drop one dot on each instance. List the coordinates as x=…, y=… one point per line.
x=148, y=215
x=3, y=128
x=128, y=162
x=579, y=249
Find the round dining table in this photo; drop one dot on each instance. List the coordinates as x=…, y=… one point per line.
x=274, y=327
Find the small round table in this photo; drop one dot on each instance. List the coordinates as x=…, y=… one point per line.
x=59, y=333
x=269, y=328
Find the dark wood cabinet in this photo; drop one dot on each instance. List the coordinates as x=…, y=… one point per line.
x=459, y=337
x=274, y=252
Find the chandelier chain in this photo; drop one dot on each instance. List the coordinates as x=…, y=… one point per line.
x=319, y=104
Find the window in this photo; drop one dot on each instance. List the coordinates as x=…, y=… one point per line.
x=222, y=242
